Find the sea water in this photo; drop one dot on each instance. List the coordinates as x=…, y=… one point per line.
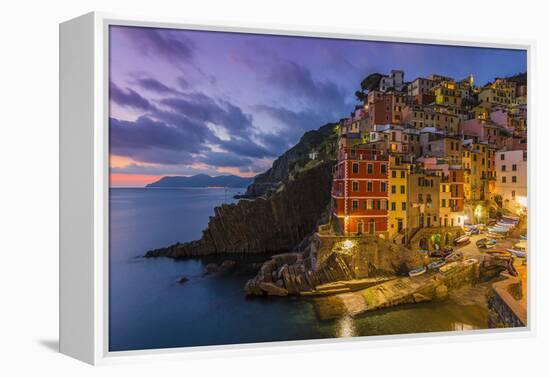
x=149, y=309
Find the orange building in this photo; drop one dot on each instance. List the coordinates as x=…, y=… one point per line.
x=360, y=191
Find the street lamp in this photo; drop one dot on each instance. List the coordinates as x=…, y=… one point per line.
x=477, y=213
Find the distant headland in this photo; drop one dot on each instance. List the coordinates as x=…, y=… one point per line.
x=201, y=180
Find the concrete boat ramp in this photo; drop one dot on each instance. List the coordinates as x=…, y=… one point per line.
x=431, y=286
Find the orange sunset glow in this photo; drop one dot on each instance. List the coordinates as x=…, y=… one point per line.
x=132, y=180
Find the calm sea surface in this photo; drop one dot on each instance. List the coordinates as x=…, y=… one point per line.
x=149, y=309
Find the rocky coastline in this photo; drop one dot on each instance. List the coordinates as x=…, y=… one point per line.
x=264, y=225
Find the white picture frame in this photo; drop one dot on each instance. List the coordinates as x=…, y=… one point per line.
x=84, y=172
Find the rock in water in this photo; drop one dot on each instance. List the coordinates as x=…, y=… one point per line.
x=272, y=289
x=227, y=265
x=210, y=268
x=183, y=280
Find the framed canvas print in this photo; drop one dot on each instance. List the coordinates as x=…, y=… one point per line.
x=226, y=188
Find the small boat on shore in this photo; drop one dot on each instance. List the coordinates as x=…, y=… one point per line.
x=486, y=243
x=454, y=257
x=436, y=264
x=523, y=238
x=417, y=271
x=519, y=249
x=462, y=240
x=510, y=218
x=442, y=253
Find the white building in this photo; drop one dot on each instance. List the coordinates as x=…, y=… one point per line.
x=394, y=80
x=511, y=183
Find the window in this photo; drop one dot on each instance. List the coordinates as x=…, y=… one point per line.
x=393, y=189
x=383, y=186
x=369, y=168
x=420, y=198
x=369, y=186
x=383, y=168
x=355, y=186
x=428, y=198
x=443, y=203
x=402, y=189
x=503, y=179
x=403, y=206
x=355, y=168
x=513, y=194
x=514, y=179
x=402, y=174
x=502, y=156
x=355, y=204
x=514, y=167
x=393, y=174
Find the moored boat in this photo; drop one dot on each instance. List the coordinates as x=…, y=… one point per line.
x=462, y=240
x=417, y=271
x=519, y=249
x=456, y=256
x=436, y=264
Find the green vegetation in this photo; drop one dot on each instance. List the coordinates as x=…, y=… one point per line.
x=369, y=83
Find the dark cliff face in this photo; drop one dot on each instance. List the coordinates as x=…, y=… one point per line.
x=321, y=140
x=264, y=225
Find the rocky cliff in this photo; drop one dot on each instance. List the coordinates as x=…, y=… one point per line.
x=322, y=140
x=328, y=259
x=264, y=225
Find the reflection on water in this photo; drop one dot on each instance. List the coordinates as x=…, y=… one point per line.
x=149, y=309
x=346, y=327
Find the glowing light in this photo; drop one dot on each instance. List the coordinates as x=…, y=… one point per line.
x=348, y=244
x=522, y=200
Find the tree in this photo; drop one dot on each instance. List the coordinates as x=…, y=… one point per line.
x=369, y=83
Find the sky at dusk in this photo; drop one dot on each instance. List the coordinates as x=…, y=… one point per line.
x=188, y=102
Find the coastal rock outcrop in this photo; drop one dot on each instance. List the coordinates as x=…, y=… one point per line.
x=359, y=261
x=271, y=225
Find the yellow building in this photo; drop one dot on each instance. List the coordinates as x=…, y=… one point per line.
x=500, y=92
x=398, y=178
x=466, y=164
x=446, y=94
x=441, y=117
x=474, y=164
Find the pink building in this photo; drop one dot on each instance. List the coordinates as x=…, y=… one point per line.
x=482, y=130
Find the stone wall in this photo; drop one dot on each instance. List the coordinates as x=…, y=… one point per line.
x=508, y=307
x=447, y=235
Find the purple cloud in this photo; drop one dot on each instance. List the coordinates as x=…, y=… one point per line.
x=160, y=43
x=128, y=98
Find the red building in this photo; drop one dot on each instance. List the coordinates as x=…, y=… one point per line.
x=360, y=190
x=456, y=179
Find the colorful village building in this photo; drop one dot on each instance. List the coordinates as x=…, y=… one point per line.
x=360, y=191
x=511, y=179
x=399, y=170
